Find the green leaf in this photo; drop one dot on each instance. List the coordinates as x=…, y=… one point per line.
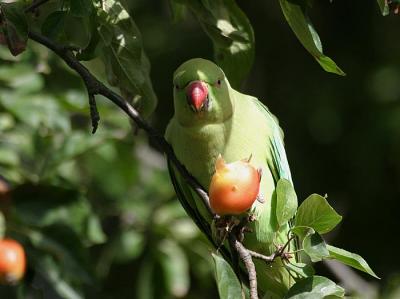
x=231, y=33
x=302, y=231
x=44, y=110
x=2, y=222
x=94, y=232
x=75, y=144
x=126, y=63
x=228, y=284
x=6, y=122
x=383, y=5
x=315, y=247
x=92, y=49
x=350, y=259
x=295, y=12
x=65, y=28
x=44, y=206
x=316, y=212
x=315, y=287
x=53, y=26
x=128, y=245
x=81, y=8
x=14, y=26
x=65, y=255
x=8, y=156
x=48, y=268
x=178, y=10
x=145, y=284
x=22, y=77
x=286, y=204
x=300, y=269
x=176, y=268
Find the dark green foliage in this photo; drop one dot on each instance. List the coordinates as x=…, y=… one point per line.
x=97, y=214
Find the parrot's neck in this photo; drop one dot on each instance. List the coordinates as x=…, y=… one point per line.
x=203, y=145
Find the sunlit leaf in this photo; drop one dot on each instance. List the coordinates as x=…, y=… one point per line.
x=123, y=55
x=8, y=156
x=44, y=110
x=231, y=33
x=228, y=284
x=350, y=259
x=295, y=12
x=316, y=212
x=315, y=247
x=6, y=122
x=175, y=266
x=21, y=77
x=286, y=203
x=300, y=270
x=129, y=244
x=315, y=287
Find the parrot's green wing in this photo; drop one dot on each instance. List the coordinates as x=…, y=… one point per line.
x=279, y=164
x=187, y=199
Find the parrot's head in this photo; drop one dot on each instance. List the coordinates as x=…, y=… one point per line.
x=201, y=93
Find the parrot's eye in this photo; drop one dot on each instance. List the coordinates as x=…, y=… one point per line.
x=176, y=86
x=219, y=82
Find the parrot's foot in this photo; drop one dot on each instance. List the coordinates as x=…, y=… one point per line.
x=242, y=227
x=223, y=226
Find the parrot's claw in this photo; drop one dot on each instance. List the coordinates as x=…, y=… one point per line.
x=216, y=217
x=260, y=198
x=251, y=218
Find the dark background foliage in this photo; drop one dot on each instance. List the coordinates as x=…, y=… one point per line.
x=342, y=138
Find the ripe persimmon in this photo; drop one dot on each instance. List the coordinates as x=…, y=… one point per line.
x=234, y=187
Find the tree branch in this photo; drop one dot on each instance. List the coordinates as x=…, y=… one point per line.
x=247, y=260
x=95, y=87
x=35, y=5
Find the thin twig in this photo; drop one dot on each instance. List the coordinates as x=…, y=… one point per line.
x=94, y=113
x=280, y=252
x=287, y=244
x=247, y=260
x=95, y=87
x=266, y=258
x=35, y=5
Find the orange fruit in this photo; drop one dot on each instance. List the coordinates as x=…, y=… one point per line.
x=234, y=187
x=12, y=261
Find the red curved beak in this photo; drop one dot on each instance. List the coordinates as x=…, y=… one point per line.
x=196, y=94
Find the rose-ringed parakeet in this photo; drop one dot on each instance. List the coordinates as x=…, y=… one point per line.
x=212, y=119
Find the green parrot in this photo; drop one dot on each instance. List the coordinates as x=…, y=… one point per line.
x=211, y=118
